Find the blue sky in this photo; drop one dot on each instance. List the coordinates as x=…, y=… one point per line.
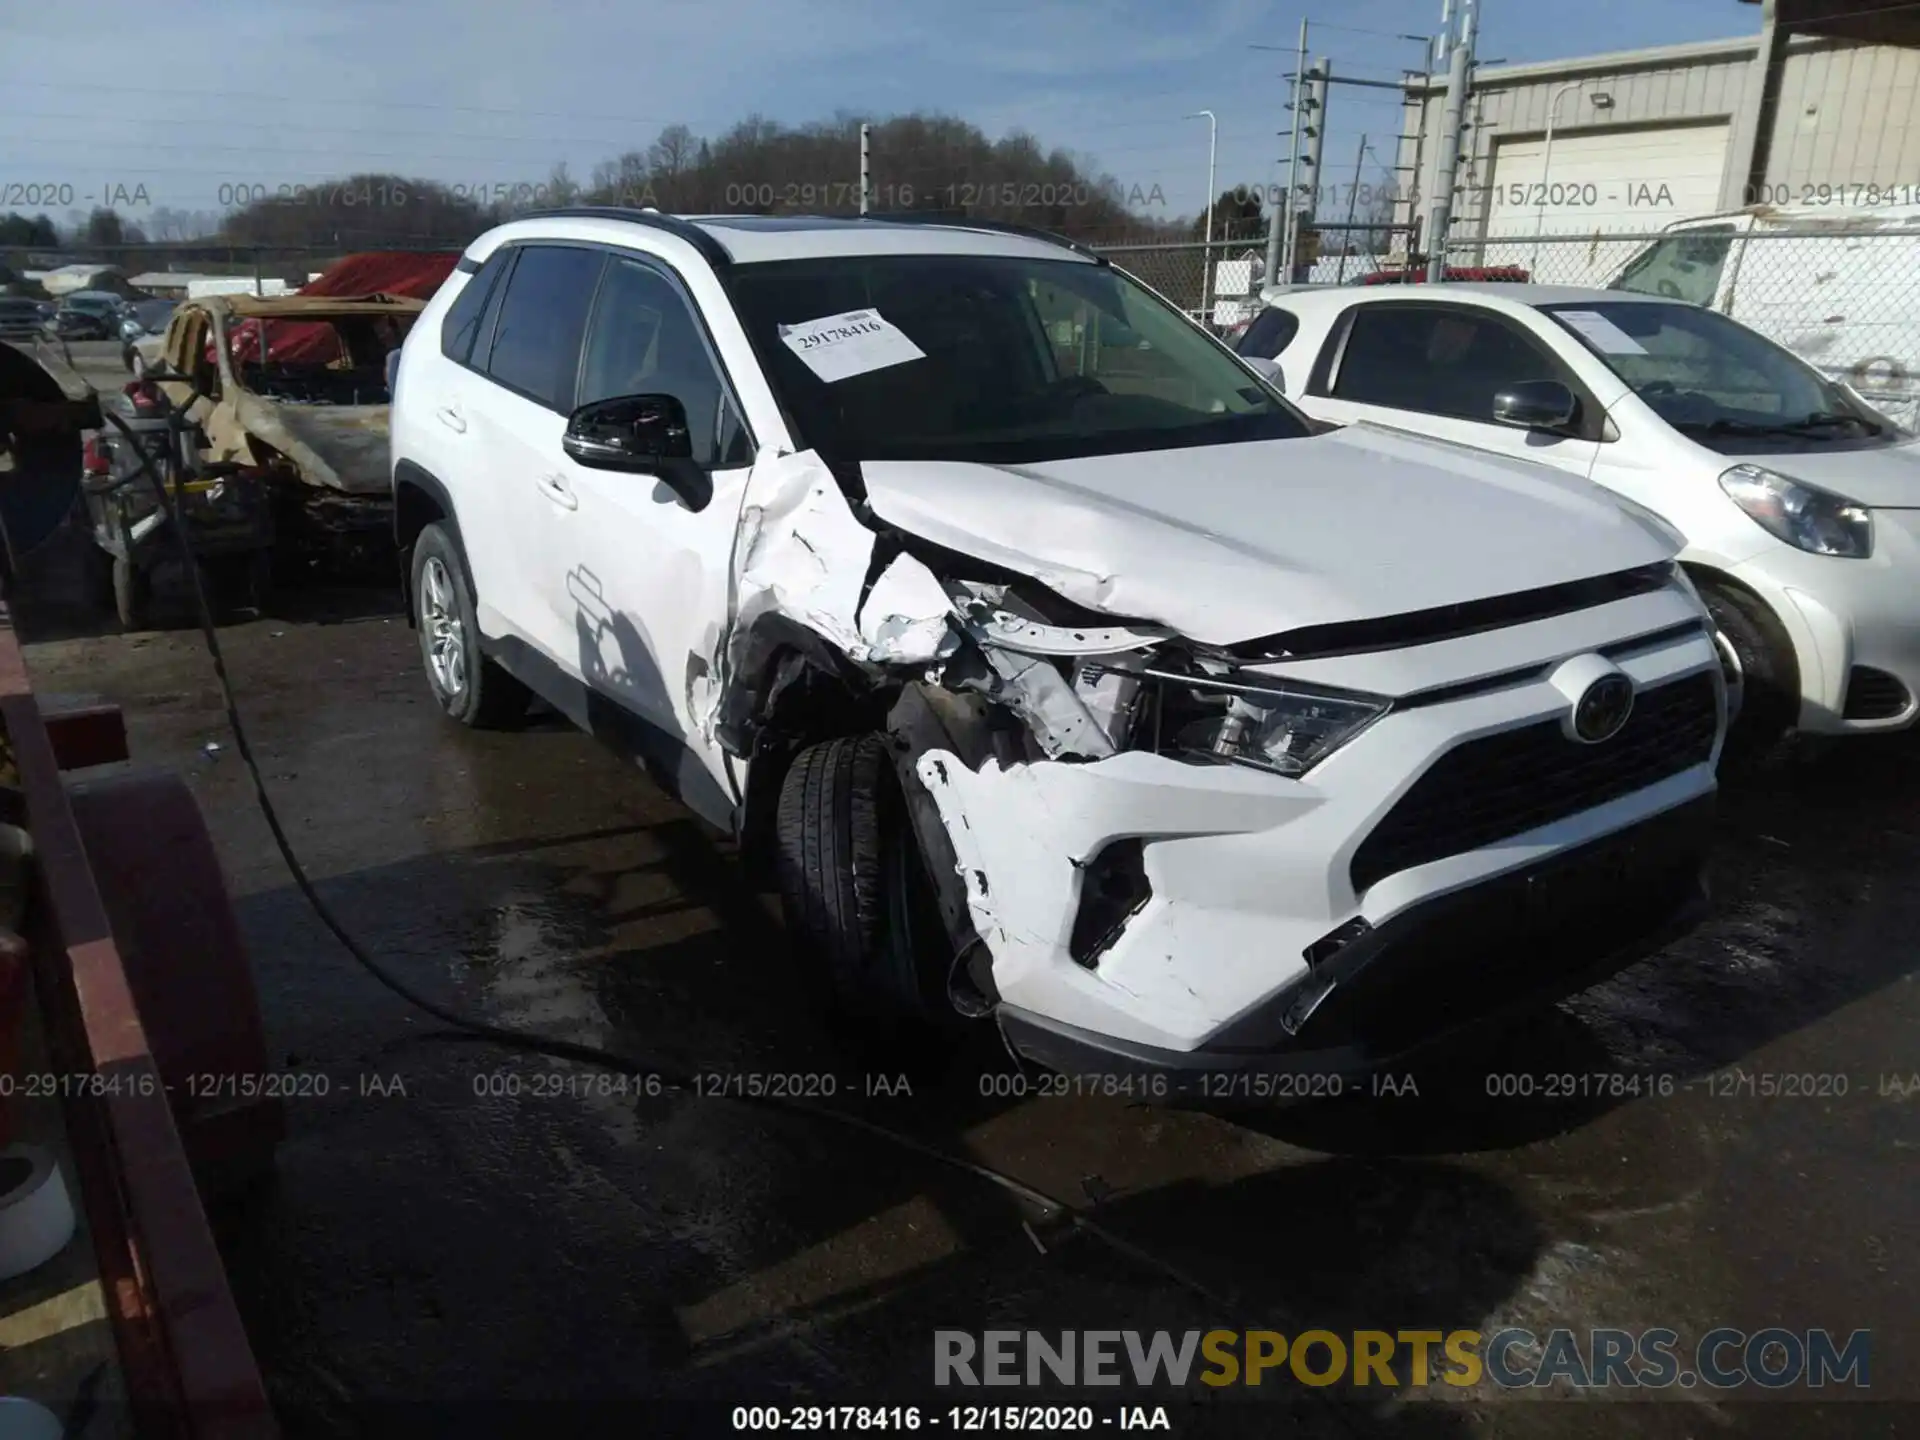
x=199, y=96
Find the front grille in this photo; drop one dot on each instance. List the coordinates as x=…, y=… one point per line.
x=1506, y=784
x=1874, y=695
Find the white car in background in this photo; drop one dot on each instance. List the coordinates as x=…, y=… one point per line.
x=1799, y=503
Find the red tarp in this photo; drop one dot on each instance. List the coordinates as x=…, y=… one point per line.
x=412, y=274
x=407, y=273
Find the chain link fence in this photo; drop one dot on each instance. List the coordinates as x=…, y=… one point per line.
x=1178, y=270
x=1846, y=300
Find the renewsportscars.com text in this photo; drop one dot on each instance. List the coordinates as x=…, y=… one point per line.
x=1597, y=1359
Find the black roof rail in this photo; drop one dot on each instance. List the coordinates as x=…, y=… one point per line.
x=710, y=249
x=1005, y=227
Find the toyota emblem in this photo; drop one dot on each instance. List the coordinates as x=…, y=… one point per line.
x=1603, y=709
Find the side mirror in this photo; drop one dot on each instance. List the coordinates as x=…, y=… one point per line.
x=640, y=435
x=1536, y=405
x=1269, y=370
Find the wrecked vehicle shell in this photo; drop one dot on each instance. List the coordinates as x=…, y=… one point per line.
x=332, y=443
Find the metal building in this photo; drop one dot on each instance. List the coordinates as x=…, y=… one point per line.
x=1821, y=107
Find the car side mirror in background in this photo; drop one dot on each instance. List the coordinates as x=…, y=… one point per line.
x=1270, y=371
x=640, y=435
x=1536, y=405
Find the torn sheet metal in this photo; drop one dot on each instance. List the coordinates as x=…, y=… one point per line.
x=1037, y=692
x=992, y=626
x=800, y=552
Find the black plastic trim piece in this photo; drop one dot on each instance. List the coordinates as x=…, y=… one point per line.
x=711, y=250
x=1001, y=227
x=1452, y=622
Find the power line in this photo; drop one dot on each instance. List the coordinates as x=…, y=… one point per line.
x=280, y=98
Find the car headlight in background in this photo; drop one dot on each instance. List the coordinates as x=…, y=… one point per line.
x=1277, y=726
x=1816, y=521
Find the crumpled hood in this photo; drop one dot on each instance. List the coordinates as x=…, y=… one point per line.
x=343, y=447
x=1226, y=543
x=1887, y=476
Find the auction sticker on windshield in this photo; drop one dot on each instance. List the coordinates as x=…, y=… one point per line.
x=838, y=347
x=1607, y=337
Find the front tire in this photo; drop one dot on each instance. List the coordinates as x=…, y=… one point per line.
x=1770, y=677
x=468, y=686
x=854, y=888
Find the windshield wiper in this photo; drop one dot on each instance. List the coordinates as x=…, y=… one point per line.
x=1814, y=424
x=1823, y=419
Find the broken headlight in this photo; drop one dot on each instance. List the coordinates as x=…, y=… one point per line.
x=1275, y=725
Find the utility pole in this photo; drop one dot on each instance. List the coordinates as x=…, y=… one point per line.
x=1280, y=220
x=1206, y=249
x=1453, y=131
x=866, y=173
x=1315, y=106
x=1346, y=241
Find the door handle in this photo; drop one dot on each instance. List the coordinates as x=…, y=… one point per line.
x=450, y=416
x=556, y=489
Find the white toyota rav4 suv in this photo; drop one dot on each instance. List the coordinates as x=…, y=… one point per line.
x=1058, y=668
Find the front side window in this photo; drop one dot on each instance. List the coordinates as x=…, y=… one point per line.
x=1681, y=267
x=1019, y=360
x=643, y=340
x=1718, y=382
x=1437, y=359
x=536, y=338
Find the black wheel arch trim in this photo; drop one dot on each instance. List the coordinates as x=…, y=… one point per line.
x=1706, y=577
x=406, y=475
x=1755, y=607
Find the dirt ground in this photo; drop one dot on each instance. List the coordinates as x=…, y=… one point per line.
x=467, y=1229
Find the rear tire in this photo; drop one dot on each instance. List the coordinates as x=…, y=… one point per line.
x=1769, y=674
x=470, y=687
x=854, y=888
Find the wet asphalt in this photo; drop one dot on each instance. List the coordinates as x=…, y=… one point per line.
x=456, y=1225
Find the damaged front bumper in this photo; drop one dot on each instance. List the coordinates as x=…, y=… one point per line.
x=1149, y=913
x=1432, y=975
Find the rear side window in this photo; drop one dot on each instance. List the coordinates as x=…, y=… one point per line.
x=462, y=323
x=1270, y=333
x=536, y=339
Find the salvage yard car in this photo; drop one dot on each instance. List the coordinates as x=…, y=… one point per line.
x=226, y=509
x=1073, y=683
x=295, y=388
x=89, y=315
x=1799, y=503
x=20, y=318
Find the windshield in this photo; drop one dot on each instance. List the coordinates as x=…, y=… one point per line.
x=1018, y=361
x=1720, y=383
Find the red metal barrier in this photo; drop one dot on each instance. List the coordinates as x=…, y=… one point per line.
x=189, y=1370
